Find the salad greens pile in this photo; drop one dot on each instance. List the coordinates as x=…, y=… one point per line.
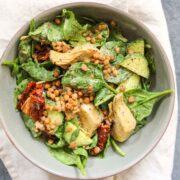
x=82, y=87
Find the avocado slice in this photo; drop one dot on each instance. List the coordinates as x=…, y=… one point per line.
x=136, y=46
x=132, y=82
x=136, y=63
x=72, y=131
x=56, y=116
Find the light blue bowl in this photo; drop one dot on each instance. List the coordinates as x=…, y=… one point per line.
x=136, y=147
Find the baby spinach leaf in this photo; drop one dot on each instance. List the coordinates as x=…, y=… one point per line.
x=94, y=143
x=29, y=123
x=140, y=124
x=79, y=79
x=68, y=158
x=144, y=102
x=122, y=75
x=102, y=96
x=37, y=72
x=24, y=50
x=71, y=27
x=48, y=32
x=117, y=148
x=19, y=89
x=151, y=61
x=32, y=25
x=14, y=67
x=109, y=49
x=83, y=155
x=116, y=35
x=61, y=143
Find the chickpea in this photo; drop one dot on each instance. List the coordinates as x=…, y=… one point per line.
x=131, y=99
x=66, y=97
x=52, y=96
x=106, y=62
x=45, y=113
x=69, y=93
x=93, y=40
x=122, y=88
x=47, y=121
x=47, y=86
x=50, y=141
x=56, y=73
x=58, y=83
x=48, y=93
x=84, y=67
x=80, y=93
x=115, y=72
x=69, y=129
x=51, y=90
x=117, y=49
x=96, y=62
x=57, y=122
x=113, y=23
x=56, y=92
x=96, y=150
x=88, y=38
x=96, y=55
x=53, y=126
x=68, y=106
x=91, y=98
x=86, y=100
x=99, y=36
x=74, y=96
x=72, y=145
x=57, y=21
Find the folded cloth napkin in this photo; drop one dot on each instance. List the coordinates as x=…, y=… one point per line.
x=158, y=164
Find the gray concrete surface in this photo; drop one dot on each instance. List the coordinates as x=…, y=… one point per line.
x=172, y=13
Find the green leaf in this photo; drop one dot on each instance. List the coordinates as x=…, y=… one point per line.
x=102, y=96
x=144, y=102
x=151, y=61
x=109, y=49
x=19, y=90
x=140, y=124
x=37, y=72
x=116, y=35
x=32, y=25
x=122, y=75
x=94, y=143
x=48, y=32
x=29, y=123
x=71, y=27
x=21, y=76
x=79, y=79
x=68, y=158
x=75, y=134
x=116, y=148
x=61, y=143
x=24, y=50
x=83, y=155
x=13, y=65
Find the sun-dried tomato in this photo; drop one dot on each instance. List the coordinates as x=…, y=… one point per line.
x=102, y=132
x=32, y=101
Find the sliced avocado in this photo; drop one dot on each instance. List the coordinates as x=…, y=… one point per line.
x=136, y=46
x=136, y=63
x=56, y=116
x=132, y=82
x=71, y=131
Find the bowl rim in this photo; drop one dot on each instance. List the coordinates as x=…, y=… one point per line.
x=171, y=75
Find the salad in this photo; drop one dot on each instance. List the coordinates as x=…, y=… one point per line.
x=81, y=86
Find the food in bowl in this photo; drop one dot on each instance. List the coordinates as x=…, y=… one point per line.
x=82, y=86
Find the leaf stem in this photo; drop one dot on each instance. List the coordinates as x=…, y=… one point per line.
x=110, y=88
x=116, y=148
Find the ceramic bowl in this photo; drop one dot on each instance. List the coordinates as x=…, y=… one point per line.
x=136, y=147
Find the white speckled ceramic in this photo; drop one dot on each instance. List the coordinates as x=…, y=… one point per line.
x=136, y=147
